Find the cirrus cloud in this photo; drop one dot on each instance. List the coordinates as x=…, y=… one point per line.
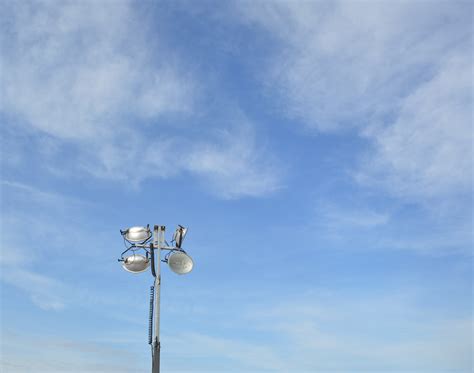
x=93, y=88
x=396, y=73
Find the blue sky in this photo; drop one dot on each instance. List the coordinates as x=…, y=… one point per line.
x=319, y=152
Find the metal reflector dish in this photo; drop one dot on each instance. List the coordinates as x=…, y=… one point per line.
x=136, y=263
x=180, y=263
x=137, y=234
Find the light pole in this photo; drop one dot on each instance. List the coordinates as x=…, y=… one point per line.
x=141, y=238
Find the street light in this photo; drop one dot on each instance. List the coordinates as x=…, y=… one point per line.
x=140, y=239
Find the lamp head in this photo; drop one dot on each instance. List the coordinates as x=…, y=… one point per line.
x=136, y=263
x=137, y=234
x=180, y=263
x=179, y=234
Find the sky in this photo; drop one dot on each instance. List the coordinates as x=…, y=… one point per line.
x=320, y=154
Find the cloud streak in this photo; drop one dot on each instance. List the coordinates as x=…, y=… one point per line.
x=352, y=224
x=332, y=332
x=65, y=354
x=398, y=74
x=89, y=80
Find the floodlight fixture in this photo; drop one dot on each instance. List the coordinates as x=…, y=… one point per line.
x=136, y=263
x=179, y=234
x=137, y=234
x=180, y=263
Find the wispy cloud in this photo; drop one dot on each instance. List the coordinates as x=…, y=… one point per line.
x=90, y=81
x=65, y=354
x=42, y=233
x=427, y=150
x=75, y=70
x=326, y=330
x=15, y=189
x=220, y=352
x=235, y=164
x=352, y=224
x=396, y=73
x=334, y=217
x=49, y=216
x=44, y=291
x=333, y=332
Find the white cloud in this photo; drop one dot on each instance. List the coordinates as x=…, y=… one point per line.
x=327, y=332
x=351, y=224
x=36, y=195
x=68, y=354
x=91, y=83
x=398, y=73
x=80, y=73
x=235, y=164
x=75, y=69
x=46, y=215
x=230, y=162
x=334, y=217
x=427, y=151
x=217, y=353
x=44, y=242
x=44, y=291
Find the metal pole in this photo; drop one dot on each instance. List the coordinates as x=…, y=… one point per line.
x=158, y=241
